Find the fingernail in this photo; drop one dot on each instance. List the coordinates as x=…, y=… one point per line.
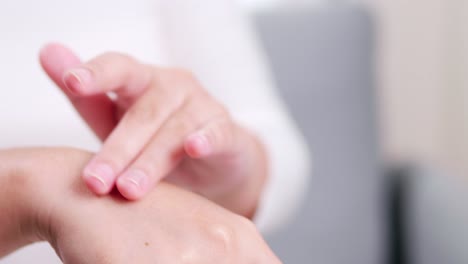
x=77, y=80
x=135, y=177
x=101, y=176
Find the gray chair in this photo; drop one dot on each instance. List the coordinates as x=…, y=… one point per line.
x=436, y=216
x=322, y=61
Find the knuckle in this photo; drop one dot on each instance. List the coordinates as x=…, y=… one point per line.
x=193, y=115
x=217, y=246
x=142, y=112
x=184, y=122
x=182, y=126
x=180, y=79
x=101, y=60
x=222, y=234
x=111, y=56
x=101, y=63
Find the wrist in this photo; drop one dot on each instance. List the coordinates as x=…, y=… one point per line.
x=17, y=225
x=33, y=183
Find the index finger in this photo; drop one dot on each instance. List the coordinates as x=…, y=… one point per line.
x=98, y=111
x=110, y=72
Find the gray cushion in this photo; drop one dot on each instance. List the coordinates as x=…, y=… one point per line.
x=322, y=61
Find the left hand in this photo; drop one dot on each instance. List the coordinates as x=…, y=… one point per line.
x=41, y=198
x=161, y=124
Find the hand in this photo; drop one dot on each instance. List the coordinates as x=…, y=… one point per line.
x=161, y=124
x=169, y=226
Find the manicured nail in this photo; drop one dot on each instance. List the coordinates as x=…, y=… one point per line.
x=136, y=178
x=100, y=176
x=201, y=145
x=77, y=80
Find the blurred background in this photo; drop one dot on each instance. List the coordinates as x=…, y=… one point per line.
x=380, y=90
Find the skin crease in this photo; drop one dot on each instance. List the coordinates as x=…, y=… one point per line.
x=177, y=130
x=49, y=202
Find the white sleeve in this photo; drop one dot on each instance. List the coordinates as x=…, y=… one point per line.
x=214, y=40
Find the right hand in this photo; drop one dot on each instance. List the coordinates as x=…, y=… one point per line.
x=161, y=124
x=169, y=226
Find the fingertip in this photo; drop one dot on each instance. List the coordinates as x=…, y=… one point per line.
x=133, y=184
x=99, y=177
x=197, y=146
x=47, y=55
x=47, y=48
x=55, y=58
x=129, y=190
x=43, y=53
x=96, y=185
x=52, y=49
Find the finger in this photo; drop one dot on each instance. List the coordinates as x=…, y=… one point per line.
x=110, y=72
x=130, y=136
x=97, y=111
x=162, y=154
x=217, y=137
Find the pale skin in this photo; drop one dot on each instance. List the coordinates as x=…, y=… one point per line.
x=43, y=199
x=162, y=125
